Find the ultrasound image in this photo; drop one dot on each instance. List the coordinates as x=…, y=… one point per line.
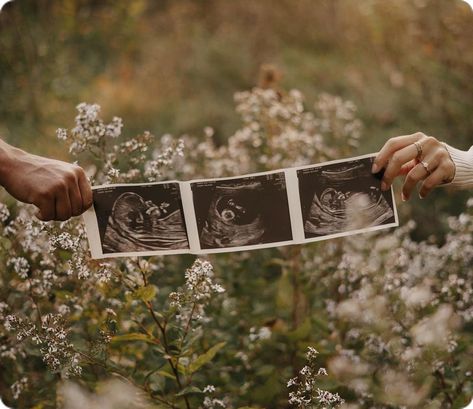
x=140, y=218
x=342, y=197
x=242, y=211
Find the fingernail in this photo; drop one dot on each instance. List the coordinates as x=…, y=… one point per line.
x=384, y=186
x=403, y=197
x=375, y=168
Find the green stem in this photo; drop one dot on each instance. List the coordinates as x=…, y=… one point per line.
x=162, y=329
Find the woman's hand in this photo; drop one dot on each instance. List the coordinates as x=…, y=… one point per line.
x=59, y=189
x=420, y=157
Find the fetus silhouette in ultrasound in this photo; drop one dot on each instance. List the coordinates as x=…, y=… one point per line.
x=136, y=225
x=234, y=217
x=345, y=197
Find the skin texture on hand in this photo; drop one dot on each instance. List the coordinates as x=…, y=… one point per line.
x=400, y=156
x=60, y=190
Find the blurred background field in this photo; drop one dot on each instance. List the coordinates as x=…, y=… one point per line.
x=173, y=66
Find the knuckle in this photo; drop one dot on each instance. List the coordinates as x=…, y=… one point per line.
x=391, y=142
x=419, y=135
x=439, y=155
x=431, y=140
x=45, y=194
x=78, y=171
x=60, y=185
x=69, y=177
x=396, y=159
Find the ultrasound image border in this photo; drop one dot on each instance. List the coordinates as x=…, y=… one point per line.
x=295, y=213
x=93, y=230
x=295, y=182
x=190, y=195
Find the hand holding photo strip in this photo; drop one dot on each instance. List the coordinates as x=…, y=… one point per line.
x=268, y=209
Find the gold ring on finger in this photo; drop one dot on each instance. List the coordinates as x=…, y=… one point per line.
x=419, y=150
x=425, y=165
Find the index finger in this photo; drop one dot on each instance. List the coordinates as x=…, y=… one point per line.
x=391, y=146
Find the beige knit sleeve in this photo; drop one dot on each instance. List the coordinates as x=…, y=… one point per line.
x=464, y=168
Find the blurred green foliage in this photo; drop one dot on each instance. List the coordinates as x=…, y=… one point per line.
x=174, y=65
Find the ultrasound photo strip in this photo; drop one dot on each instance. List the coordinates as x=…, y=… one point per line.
x=268, y=209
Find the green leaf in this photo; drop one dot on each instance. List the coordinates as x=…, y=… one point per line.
x=5, y=243
x=133, y=336
x=145, y=293
x=205, y=358
x=188, y=391
x=167, y=375
x=267, y=391
x=278, y=262
x=301, y=332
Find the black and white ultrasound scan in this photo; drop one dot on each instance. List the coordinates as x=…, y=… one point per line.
x=139, y=218
x=342, y=197
x=242, y=211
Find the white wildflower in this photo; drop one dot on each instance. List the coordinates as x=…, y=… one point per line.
x=20, y=265
x=18, y=387
x=209, y=389
x=4, y=213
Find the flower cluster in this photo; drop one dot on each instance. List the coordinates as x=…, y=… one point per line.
x=58, y=353
x=20, y=266
x=164, y=157
x=211, y=402
x=18, y=387
x=90, y=130
x=52, y=339
x=4, y=213
x=197, y=291
x=307, y=393
x=277, y=132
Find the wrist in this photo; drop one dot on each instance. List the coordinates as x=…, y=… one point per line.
x=8, y=159
x=463, y=160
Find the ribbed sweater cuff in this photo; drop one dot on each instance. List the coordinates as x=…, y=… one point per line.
x=464, y=168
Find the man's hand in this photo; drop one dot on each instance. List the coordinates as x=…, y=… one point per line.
x=59, y=189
